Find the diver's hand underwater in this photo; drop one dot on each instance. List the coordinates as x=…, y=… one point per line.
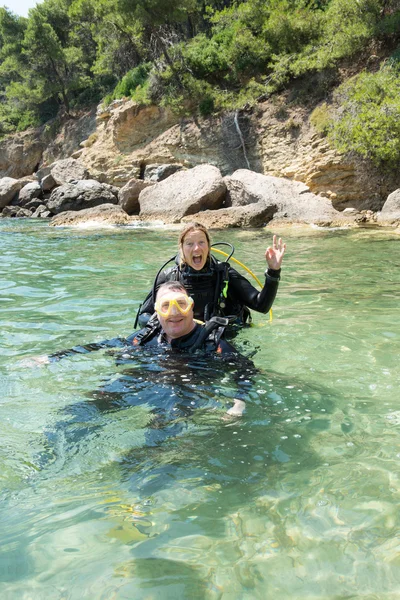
x=236, y=410
x=34, y=361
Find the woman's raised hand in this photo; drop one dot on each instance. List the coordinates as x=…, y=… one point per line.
x=274, y=254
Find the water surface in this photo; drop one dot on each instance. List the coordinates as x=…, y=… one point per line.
x=123, y=479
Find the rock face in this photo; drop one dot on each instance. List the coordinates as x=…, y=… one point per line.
x=277, y=140
x=128, y=197
x=184, y=193
x=80, y=195
x=133, y=124
x=133, y=141
x=21, y=154
x=69, y=137
x=271, y=156
x=106, y=213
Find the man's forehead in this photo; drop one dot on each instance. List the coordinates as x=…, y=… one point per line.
x=171, y=294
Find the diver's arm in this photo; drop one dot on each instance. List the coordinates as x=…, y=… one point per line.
x=46, y=359
x=112, y=343
x=240, y=289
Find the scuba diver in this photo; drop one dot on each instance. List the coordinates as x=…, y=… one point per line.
x=172, y=326
x=171, y=330
x=216, y=288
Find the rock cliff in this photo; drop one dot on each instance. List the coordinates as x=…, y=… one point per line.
x=127, y=141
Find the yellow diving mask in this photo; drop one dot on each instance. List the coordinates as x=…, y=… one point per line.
x=181, y=302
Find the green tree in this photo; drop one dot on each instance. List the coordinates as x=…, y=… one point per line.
x=50, y=68
x=12, y=30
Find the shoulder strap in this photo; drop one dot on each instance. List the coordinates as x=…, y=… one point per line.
x=152, y=328
x=208, y=329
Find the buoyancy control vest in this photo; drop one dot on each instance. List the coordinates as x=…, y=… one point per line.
x=209, y=289
x=205, y=336
x=206, y=287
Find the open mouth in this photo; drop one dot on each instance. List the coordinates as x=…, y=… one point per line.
x=197, y=259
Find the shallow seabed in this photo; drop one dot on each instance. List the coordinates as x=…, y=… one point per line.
x=123, y=479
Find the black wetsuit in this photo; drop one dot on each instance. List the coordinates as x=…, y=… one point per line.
x=205, y=287
x=198, y=339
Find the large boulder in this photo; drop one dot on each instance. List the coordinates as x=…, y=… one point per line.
x=128, y=196
x=63, y=171
x=239, y=194
x=47, y=183
x=9, y=187
x=29, y=192
x=294, y=202
x=104, y=214
x=183, y=193
x=80, y=195
x=254, y=215
x=390, y=212
x=21, y=153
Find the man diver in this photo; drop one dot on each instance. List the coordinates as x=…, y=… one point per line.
x=174, y=325
x=172, y=328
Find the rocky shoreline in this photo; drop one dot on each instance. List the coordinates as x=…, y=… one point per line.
x=65, y=194
x=92, y=185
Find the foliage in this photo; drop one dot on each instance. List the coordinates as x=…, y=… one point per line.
x=368, y=120
x=341, y=30
x=203, y=55
x=130, y=82
x=320, y=118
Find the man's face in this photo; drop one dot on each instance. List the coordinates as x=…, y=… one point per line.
x=175, y=313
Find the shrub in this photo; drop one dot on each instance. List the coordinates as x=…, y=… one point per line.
x=206, y=106
x=320, y=119
x=131, y=81
x=368, y=120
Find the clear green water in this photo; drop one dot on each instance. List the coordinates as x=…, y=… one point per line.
x=299, y=499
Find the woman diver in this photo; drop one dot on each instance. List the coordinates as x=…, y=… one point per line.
x=216, y=288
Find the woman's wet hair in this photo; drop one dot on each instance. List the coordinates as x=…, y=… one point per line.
x=173, y=286
x=188, y=229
